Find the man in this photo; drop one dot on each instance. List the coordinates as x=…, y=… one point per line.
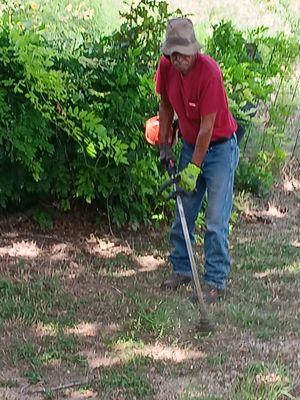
x=191, y=84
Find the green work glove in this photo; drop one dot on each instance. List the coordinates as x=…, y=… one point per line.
x=189, y=176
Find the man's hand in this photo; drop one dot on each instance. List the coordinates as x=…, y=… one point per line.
x=165, y=154
x=189, y=176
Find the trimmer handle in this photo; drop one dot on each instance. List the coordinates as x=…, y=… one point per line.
x=171, y=168
x=170, y=182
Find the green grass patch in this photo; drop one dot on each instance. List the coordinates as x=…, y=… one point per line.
x=147, y=315
x=252, y=290
x=49, y=394
x=217, y=360
x=35, y=356
x=263, y=325
x=65, y=348
x=33, y=375
x=262, y=255
x=42, y=300
x=27, y=352
x=191, y=397
x=157, y=317
x=262, y=382
x=126, y=339
x=121, y=261
x=130, y=379
x=195, y=393
x=8, y=383
x=153, y=317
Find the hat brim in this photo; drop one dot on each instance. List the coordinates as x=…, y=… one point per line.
x=189, y=50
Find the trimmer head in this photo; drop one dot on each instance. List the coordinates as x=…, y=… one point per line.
x=205, y=326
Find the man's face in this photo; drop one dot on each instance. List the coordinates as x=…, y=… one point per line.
x=182, y=62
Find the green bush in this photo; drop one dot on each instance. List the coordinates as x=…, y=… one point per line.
x=73, y=105
x=72, y=124
x=255, y=66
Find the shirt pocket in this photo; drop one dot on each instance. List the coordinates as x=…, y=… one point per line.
x=193, y=111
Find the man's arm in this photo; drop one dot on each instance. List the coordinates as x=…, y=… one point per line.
x=203, y=138
x=166, y=114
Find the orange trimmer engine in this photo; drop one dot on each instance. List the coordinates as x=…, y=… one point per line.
x=152, y=131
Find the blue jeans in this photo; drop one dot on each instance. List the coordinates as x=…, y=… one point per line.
x=217, y=179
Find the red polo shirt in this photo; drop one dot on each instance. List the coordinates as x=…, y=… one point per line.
x=196, y=94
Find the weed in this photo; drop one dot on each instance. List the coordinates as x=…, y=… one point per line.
x=77, y=359
x=241, y=201
x=153, y=318
x=217, y=360
x=262, y=382
x=126, y=339
x=44, y=219
x=257, y=292
x=33, y=376
x=120, y=262
x=28, y=353
x=158, y=317
x=8, y=383
x=191, y=397
x=49, y=394
x=63, y=347
x=192, y=393
x=139, y=361
x=20, y=264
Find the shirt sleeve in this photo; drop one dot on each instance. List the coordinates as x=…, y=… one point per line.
x=160, y=78
x=213, y=98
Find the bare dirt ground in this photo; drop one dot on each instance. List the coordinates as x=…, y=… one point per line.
x=82, y=315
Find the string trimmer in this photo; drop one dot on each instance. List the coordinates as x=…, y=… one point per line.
x=204, y=325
